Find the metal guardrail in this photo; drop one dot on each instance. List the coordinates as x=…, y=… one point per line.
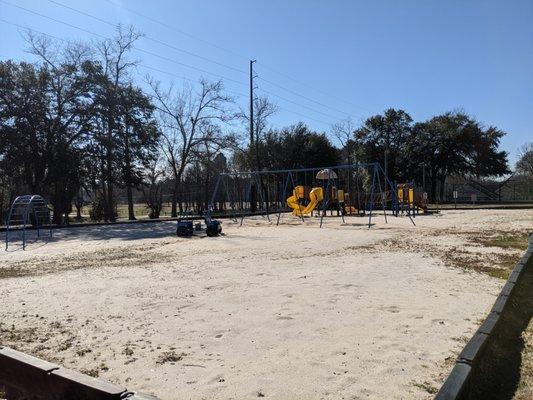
x=26, y=377
x=457, y=384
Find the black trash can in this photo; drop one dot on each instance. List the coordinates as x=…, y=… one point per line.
x=184, y=228
x=214, y=228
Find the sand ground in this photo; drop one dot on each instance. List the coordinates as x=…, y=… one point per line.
x=285, y=312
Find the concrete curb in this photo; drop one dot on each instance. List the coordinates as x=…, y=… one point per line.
x=25, y=376
x=456, y=385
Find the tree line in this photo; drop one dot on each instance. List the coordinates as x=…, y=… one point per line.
x=76, y=122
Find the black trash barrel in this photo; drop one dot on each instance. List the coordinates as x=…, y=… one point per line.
x=214, y=228
x=184, y=228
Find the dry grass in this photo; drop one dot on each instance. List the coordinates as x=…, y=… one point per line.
x=170, y=357
x=505, y=240
x=427, y=386
x=474, y=255
x=113, y=257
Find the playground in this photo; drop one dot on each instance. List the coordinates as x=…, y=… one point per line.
x=281, y=311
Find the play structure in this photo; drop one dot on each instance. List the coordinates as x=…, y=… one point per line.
x=188, y=227
x=357, y=189
x=28, y=213
x=411, y=200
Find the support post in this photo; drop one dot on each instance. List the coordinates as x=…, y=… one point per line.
x=283, y=200
x=247, y=197
x=326, y=198
x=372, y=196
x=381, y=194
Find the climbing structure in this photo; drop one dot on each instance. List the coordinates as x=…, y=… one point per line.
x=28, y=211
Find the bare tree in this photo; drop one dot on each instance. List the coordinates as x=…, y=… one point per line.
x=343, y=132
x=184, y=118
x=524, y=164
x=210, y=145
x=263, y=110
x=153, y=189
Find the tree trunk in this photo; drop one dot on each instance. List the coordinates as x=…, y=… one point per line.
x=433, y=188
x=109, y=201
x=57, y=216
x=131, y=211
x=174, y=211
x=442, y=187
x=128, y=174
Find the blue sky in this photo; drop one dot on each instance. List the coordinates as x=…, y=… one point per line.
x=322, y=61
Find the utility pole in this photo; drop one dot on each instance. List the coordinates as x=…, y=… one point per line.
x=251, y=103
x=253, y=188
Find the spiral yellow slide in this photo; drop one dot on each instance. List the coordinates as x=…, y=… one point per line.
x=315, y=196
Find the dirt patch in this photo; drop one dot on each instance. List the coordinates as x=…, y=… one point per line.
x=111, y=257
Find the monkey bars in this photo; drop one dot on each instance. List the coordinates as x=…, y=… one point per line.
x=28, y=210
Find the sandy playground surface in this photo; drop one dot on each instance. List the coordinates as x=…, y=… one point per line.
x=286, y=312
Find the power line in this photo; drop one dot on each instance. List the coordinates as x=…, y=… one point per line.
x=187, y=65
x=298, y=104
x=312, y=88
x=153, y=20
x=182, y=77
x=53, y=19
x=302, y=96
x=156, y=21
x=142, y=65
x=137, y=48
x=230, y=91
x=148, y=37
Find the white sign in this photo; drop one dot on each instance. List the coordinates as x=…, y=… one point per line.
x=425, y=196
x=455, y=194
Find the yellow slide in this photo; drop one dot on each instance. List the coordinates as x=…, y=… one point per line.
x=315, y=196
x=292, y=202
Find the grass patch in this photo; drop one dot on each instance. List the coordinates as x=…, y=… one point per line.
x=426, y=386
x=495, y=265
x=82, y=352
x=94, y=372
x=128, y=351
x=114, y=257
x=505, y=240
x=169, y=356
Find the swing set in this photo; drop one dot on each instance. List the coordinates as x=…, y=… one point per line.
x=356, y=189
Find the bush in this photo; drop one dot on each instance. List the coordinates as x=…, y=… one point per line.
x=98, y=209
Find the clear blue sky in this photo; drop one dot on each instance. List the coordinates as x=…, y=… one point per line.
x=355, y=57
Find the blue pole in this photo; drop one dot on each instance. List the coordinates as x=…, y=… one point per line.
x=283, y=200
x=372, y=196
x=247, y=198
